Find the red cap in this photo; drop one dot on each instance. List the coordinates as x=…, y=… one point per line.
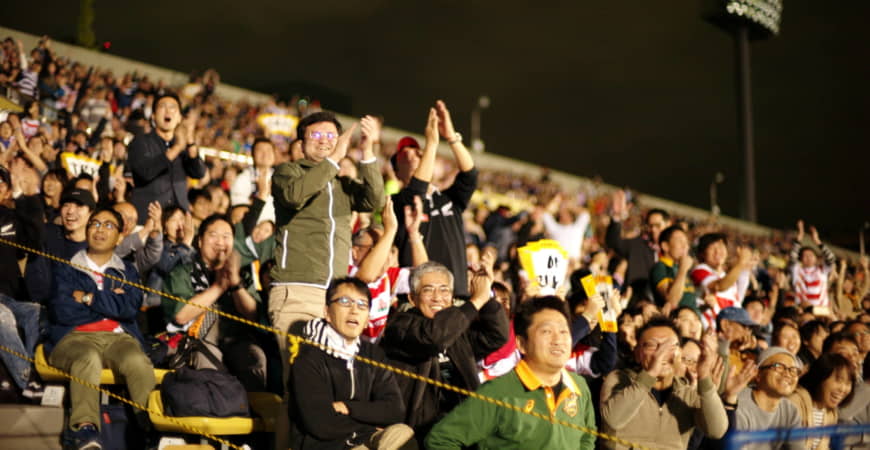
x=406, y=141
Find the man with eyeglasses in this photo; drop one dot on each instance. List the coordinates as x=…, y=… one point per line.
x=338, y=402
x=650, y=405
x=93, y=326
x=313, y=208
x=443, y=341
x=764, y=406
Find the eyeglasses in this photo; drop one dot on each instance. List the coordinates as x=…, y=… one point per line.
x=107, y=225
x=318, y=135
x=431, y=291
x=781, y=368
x=346, y=302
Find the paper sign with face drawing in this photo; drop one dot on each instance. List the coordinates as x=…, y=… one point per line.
x=546, y=262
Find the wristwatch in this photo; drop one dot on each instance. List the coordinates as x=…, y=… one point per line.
x=457, y=137
x=87, y=298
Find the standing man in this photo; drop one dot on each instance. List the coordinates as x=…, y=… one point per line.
x=810, y=279
x=670, y=275
x=443, y=232
x=163, y=159
x=245, y=185
x=651, y=405
x=641, y=251
x=539, y=383
x=313, y=206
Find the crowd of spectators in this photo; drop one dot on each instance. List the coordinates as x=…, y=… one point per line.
x=396, y=253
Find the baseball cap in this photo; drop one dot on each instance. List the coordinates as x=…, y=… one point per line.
x=80, y=196
x=736, y=314
x=405, y=142
x=770, y=352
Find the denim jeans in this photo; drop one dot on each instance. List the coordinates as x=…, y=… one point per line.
x=20, y=330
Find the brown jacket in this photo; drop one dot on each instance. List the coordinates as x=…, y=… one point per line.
x=629, y=411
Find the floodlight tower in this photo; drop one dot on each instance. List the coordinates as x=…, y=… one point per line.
x=745, y=20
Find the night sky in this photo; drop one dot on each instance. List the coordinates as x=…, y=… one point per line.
x=639, y=94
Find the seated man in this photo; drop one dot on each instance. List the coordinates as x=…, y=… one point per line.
x=544, y=338
x=93, y=325
x=339, y=403
x=439, y=340
x=653, y=407
x=213, y=280
x=764, y=406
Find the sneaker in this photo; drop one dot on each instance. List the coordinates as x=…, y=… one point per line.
x=33, y=390
x=87, y=437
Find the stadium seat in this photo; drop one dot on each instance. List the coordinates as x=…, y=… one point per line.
x=106, y=377
x=266, y=405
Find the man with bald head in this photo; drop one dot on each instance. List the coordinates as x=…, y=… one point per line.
x=141, y=245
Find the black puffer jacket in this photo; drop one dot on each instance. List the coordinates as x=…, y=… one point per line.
x=413, y=342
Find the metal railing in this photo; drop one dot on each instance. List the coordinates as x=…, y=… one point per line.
x=837, y=433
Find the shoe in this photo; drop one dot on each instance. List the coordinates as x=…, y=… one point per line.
x=33, y=390
x=87, y=437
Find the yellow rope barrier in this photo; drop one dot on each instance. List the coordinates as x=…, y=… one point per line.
x=295, y=340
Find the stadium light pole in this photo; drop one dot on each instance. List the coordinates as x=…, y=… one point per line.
x=745, y=21
x=714, y=191
x=476, y=141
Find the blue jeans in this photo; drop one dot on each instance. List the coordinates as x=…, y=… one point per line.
x=19, y=331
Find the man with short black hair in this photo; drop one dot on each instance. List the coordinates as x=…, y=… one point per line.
x=651, y=405
x=313, y=206
x=669, y=276
x=93, y=325
x=163, y=159
x=539, y=383
x=247, y=182
x=337, y=402
x=63, y=241
x=641, y=251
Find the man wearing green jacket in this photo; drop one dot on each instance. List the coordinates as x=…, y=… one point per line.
x=538, y=384
x=313, y=208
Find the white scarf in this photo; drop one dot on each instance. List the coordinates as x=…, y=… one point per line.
x=318, y=330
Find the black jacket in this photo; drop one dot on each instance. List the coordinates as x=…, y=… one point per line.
x=413, y=342
x=318, y=379
x=155, y=177
x=442, y=228
x=640, y=255
x=20, y=225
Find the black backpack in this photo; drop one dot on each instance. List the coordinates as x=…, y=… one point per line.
x=203, y=392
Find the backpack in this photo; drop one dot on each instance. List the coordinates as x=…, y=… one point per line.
x=190, y=392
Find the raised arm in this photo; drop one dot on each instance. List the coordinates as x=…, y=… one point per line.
x=445, y=125
x=430, y=149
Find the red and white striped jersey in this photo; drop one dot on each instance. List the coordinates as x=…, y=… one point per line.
x=703, y=275
x=811, y=284
x=382, y=291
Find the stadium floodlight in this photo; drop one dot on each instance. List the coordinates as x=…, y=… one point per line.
x=745, y=20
